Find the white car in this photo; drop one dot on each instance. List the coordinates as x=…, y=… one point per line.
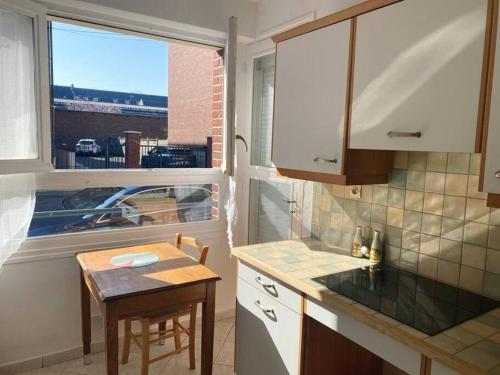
x=87, y=147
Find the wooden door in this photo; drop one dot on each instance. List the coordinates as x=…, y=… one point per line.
x=310, y=100
x=418, y=69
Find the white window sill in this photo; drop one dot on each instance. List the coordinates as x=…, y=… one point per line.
x=67, y=245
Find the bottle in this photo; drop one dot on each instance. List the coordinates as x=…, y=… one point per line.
x=357, y=243
x=376, y=248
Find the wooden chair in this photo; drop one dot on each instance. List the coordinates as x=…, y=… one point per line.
x=144, y=338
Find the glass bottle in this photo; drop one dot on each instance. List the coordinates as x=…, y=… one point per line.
x=376, y=248
x=357, y=243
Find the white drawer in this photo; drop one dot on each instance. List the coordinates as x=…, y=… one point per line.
x=385, y=347
x=439, y=369
x=271, y=287
x=268, y=334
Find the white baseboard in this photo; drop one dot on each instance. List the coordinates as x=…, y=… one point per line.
x=77, y=352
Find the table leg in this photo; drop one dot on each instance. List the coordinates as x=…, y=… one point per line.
x=86, y=325
x=111, y=338
x=207, y=330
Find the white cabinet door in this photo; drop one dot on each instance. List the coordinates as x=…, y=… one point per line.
x=492, y=160
x=268, y=334
x=439, y=369
x=310, y=99
x=418, y=66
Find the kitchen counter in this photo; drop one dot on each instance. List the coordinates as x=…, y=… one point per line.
x=472, y=347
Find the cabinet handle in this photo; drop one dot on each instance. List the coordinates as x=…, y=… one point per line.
x=288, y=201
x=264, y=309
x=262, y=283
x=392, y=134
x=497, y=174
x=317, y=159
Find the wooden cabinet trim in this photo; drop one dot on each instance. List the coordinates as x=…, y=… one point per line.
x=493, y=200
x=489, y=46
x=425, y=365
x=348, y=101
x=343, y=15
x=493, y=6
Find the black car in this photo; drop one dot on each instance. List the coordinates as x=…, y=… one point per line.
x=111, y=146
x=169, y=157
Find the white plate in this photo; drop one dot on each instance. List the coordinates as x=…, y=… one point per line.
x=134, y=259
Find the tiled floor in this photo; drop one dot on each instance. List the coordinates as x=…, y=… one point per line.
x=175, y=365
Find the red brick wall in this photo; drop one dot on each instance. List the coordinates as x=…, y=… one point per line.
x=217, y=120
x=75, y=125
x=217, y=107
x=190, y=71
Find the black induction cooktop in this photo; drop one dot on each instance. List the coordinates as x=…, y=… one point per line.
x=422, y=303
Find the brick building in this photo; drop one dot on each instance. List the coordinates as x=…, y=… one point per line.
x=71, y=126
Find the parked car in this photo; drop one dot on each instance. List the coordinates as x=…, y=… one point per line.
x=60, y=143
x=87, y=146
x=112, y=146
x=169, y=157
x=100, y=208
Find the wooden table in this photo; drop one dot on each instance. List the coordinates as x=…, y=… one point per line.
x=175, y=282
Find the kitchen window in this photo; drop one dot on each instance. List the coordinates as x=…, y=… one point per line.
x=262, y=110
x=107, y=208
x=93, y=168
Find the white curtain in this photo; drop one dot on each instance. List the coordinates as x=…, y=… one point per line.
x=17, y=87
x=18, y=138
x=17, y=203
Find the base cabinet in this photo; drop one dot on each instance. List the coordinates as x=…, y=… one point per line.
x=268, y=334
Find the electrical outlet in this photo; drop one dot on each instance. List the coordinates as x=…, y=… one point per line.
x=355, y=192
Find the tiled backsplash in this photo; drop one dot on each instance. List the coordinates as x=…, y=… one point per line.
x=433, y=219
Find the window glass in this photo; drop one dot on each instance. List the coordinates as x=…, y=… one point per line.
x=18, y=115
x=262, y=121
x=75, y=210
x=269, y=214
x=138, y=103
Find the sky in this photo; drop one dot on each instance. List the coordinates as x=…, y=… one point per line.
x=98, y=59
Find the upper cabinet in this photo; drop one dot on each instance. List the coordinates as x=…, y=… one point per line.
x=418, y=72
x=311, y=99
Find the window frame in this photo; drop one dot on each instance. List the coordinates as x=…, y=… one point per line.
x=66, y=244
x=41, y=81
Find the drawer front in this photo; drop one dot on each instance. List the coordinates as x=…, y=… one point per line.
x=268, y=334
x=385, y=347
x=439, y=369
x=271, y=287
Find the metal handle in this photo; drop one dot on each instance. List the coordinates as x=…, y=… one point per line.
x=317, y=159
x=288, y=201
x=264, y=309
x=262, y=283
x=497, y=174
x=392, y=134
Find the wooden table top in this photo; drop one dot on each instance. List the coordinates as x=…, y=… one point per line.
x=174, y=269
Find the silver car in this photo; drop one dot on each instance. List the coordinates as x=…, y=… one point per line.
x=87, y=146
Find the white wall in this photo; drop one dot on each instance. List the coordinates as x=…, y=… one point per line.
x=272, y=13
x=205, y=16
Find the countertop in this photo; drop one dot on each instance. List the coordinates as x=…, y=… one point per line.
x=472, y=347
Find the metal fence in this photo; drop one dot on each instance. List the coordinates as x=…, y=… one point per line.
x=175, y=156
x=150, y=156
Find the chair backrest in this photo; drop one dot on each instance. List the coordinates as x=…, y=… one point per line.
x=189, y=241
